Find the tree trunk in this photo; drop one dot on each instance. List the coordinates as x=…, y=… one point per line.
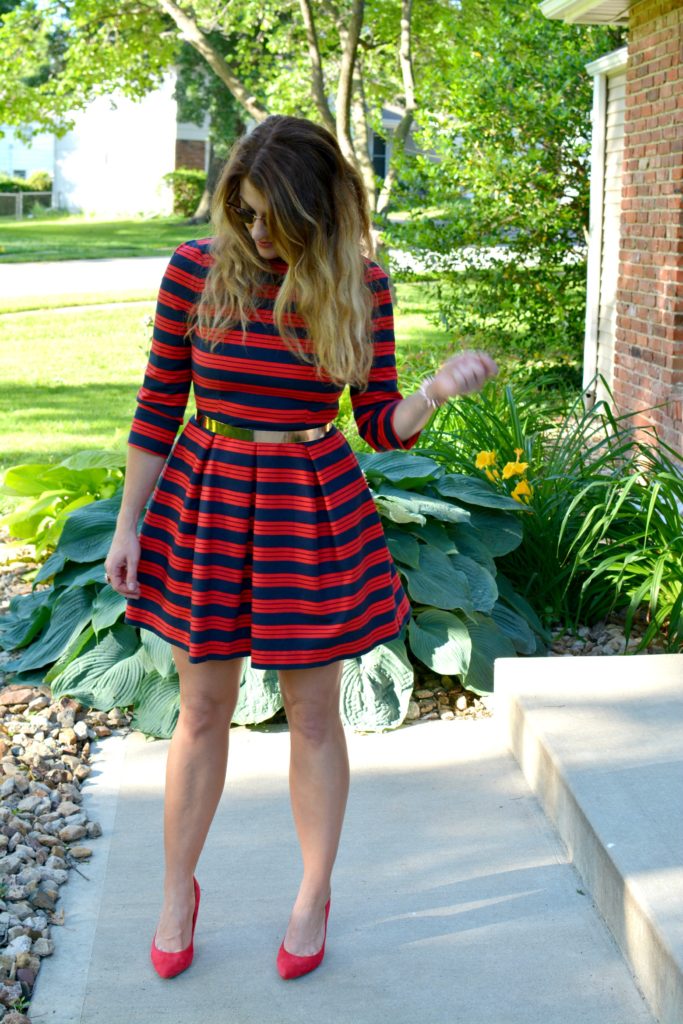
x=203, y=212
x=317, y=76
x=361, y=134
x=403, y=127
x=349, y=38
x=191, y=33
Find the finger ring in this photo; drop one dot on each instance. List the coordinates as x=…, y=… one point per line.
x=107, y=577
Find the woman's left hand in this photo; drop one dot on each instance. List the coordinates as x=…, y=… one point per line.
x=465, y=372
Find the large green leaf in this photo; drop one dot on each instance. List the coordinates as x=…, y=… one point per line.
x=475, y=492
x=436, y=534
x=501, y=532
x=27, y=616
x=259, y=697
x=403, y=547
x=396, y=510
x=509, y=595
x=424, y=504
x=437, y=582
x=158, y=652
x=488, y=643
x=482, y=584
x=52, y=565
x=107, y=676
x=468, y=542
x=88, y=531
x=83, y=642
x=399, y=467
x=157, y=706
x=95, y=458
x=74, y=575
x=441, y=641
x=515, y=628
x=70, y=613
x=107, y=608
x=376, y=688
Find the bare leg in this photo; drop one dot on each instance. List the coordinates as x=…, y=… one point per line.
x=195, y=776
x=319, y=785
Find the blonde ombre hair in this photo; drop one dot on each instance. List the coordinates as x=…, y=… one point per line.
x=319, y=222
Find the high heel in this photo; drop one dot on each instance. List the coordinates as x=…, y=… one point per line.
x=291, y=966
x=166, y=964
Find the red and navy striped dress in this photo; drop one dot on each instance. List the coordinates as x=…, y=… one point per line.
x=272, y=550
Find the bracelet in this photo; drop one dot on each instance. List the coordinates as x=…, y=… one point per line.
x=422, y=390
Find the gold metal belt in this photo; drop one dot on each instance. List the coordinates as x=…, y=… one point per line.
x=249, y=434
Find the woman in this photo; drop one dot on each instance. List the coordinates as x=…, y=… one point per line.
x=261, y=538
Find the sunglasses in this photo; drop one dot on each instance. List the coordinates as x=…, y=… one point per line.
x=246, y=216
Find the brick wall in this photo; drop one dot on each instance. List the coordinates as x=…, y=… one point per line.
x=190, y=153
x=648, y=361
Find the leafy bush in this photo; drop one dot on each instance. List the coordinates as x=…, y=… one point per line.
x=604, y=531
x=8, y=184
x=40, y=181
x=188, y=186
x=444, y=533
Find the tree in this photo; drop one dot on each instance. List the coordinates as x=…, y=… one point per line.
x=338, y=60
x=511, y=184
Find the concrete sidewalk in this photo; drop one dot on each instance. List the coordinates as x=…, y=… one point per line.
x=453, y=900
x=70, y=277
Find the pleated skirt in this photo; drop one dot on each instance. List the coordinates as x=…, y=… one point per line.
x=271, y=550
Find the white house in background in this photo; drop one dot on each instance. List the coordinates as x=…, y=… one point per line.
x=19, y=159
x=112, y=162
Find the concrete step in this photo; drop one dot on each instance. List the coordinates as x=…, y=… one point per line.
x=600, y=742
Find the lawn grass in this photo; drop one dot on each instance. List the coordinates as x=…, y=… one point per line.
x=69, y=378
x=81, y=238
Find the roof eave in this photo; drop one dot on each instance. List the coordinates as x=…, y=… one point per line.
x=588, y=12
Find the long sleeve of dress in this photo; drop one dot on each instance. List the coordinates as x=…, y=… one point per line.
x=162, y=399
x=373, y=408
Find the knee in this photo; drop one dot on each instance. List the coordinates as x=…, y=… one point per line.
x=312, y=722
x=202, y=715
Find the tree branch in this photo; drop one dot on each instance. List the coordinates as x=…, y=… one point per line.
x=403, y=127
x=349, y=37
x=317, y=77
x=190, y=31
x=361, y=133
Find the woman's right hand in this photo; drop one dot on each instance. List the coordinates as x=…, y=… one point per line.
x=121, y=564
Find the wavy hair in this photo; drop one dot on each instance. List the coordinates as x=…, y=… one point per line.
x=319, y=222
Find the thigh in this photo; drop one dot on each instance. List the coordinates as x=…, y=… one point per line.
x=208, y=686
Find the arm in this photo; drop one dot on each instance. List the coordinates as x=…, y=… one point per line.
x=121, y=564
x=374, y=408
x=161, y=403
x=458, y=375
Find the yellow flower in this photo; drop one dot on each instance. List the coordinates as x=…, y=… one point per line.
x=523, y=492
x=519, y=452
x=485, y=459
x=492, y=475
x=514, y=469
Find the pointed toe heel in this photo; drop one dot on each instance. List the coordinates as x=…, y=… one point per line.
x=167, y=965
x=290, y=965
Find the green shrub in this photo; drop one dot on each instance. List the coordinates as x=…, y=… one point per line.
x=188, y=186
x=40, y=181
x=8, y=184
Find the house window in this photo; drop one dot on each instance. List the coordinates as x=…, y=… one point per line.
x=379, y=155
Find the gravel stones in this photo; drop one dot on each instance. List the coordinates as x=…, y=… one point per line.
x=44, y=754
